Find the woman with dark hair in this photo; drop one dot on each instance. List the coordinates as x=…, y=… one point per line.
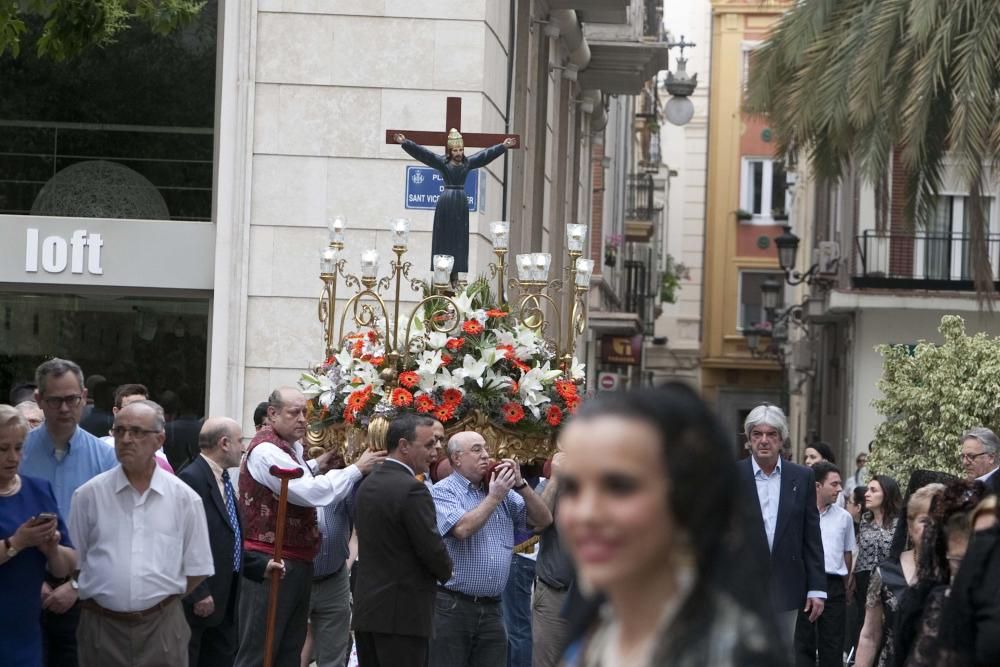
x=855, y=505
x=816, y=452
x=891, y=578
x=945, y=542
x=878, y=526
x=648, y=513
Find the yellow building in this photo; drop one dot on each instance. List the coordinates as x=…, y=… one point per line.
x=747, y=201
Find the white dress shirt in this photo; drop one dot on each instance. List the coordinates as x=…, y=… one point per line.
x=769, y=495
x=837, y=528
x=135, y=549
x=308, y=490
x=986, y=478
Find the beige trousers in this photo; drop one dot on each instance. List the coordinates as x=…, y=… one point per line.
x=159, y=640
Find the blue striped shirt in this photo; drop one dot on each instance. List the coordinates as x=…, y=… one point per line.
x=481, y=562
x=86, y=458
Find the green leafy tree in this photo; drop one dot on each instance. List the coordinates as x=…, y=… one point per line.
x=853, y=81
x=931, y=395
x=69, y=27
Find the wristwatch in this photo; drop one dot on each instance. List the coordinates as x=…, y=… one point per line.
x=11, y=551
x=521, y=485
x=74, y=584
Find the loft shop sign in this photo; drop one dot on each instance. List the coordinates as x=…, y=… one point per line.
x=54, y=254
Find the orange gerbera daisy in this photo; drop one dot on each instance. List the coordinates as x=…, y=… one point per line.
x=357, y=399
x=572, y=403
x=424, y=403
x=455, y=344
x=495, y=312
x=514, y=386
x=554, y=416
x=566, y=388
x=409, y=379
x=445, y=413
x=513, y=413
x=401, y=398
x=472, y=327
x=447, y=359
x=451, y=396
x=349, y=414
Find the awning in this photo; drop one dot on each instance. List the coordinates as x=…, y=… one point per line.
x=595, y=11
x=622, y=68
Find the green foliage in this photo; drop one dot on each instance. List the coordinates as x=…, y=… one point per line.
x=932, y=394
x=72, y=26
x=673, y=273
x=850, y=82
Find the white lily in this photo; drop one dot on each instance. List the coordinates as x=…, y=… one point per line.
x=427, y=369
x=445, y=379
x=436, y=340
x=532, y=386
x=344, y=360
x=576, y=369
x=479, y=316
x=494, y=380
x=313, y=386
x=463, y=301
x=472, y=369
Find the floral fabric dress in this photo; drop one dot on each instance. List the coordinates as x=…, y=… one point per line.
x=888, y=586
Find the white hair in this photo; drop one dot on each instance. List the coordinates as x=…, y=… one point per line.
x=767, y=415
x=986, y=437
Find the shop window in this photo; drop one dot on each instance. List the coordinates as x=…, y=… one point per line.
x=122, y=131
x=159, y=342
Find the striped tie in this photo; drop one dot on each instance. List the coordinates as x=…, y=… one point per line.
x=233, y=521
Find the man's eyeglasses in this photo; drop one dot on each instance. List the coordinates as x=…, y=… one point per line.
x=55, y=401
x=134, y=431
x=757, y=435
x=963, y=457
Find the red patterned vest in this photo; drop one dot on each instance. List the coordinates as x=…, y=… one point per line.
x=260, y=511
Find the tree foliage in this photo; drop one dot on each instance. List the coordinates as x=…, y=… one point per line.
x=931, y=395
x=852, y=81
x=72, y=26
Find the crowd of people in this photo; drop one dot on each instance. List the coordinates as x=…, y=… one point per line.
x=642, y=542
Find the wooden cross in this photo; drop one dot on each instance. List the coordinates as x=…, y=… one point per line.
x=453, y=119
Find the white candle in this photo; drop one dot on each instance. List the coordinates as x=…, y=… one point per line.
x=369, y=263
x=584, y=270
x=541, y=262
x=336, y=229
x=400, y=232
x=327, y=259
x=500, y=231
x=523, y=267
x=575, y=235
x=443, y=265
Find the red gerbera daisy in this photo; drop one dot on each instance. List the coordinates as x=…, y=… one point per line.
x=554, y=416
x=513, y=413
x=424, y=403
x=451, y=396
x=495, y=312
x=514, y=386
x=447, y=359
x=357, y=399
x=409, y=379
x=566, y=388
x=572, y=403
x=445, y=413
x=472, y=327
x=401, y=398
x=455, y=344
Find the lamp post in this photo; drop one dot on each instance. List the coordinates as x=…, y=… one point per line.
x=788, y=248
x=500, y=235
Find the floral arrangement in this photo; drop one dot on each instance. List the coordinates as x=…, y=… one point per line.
x=487, y=362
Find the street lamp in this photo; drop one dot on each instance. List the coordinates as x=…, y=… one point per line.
x=788, y=248
x=769, y=291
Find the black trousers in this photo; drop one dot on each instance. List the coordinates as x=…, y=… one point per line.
x=378, y=649
x=215, y=646
x=822, y=643
x=59, y=637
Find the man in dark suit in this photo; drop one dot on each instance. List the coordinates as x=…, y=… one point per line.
x=782, y=501
x=403, y=557
x=211, y=607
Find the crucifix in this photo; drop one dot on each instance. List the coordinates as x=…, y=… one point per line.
x=451, y=213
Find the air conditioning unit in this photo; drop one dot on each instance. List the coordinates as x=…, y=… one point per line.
x=828, y=257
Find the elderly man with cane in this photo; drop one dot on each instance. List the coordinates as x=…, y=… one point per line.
x=277, y=446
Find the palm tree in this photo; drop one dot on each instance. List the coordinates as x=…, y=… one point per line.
x=854, y=82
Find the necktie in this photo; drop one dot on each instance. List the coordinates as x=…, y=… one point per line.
x=233, y=521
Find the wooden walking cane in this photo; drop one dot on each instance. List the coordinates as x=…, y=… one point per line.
x=284, y=474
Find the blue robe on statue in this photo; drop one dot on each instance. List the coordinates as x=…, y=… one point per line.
x=451, y=215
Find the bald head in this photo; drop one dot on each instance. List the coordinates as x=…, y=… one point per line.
x=286, y=408
x=469, y=456
x=220, y=439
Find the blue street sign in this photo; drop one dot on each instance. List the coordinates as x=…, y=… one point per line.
x=424, y=185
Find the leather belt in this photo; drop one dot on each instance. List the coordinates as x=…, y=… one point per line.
x=129, y=616
x=323, y=577
x=474, y=599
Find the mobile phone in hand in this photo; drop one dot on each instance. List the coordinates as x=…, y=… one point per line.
x=46, y=516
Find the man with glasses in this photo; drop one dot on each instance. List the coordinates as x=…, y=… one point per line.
x=782, y=502
x=979, y=456
x=477, y=515
x=142, y=540
x=66, y=456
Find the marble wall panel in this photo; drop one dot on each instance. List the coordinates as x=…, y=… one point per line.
x=289, y=190
x=459, y=52
x=297, y=48
x=468, y=10
x=282, y=332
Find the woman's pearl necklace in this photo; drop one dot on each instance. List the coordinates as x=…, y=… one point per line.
x=13, y=487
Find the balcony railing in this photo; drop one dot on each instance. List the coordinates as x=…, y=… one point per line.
x=639, y=293
x=639, y=197
x=919, y=260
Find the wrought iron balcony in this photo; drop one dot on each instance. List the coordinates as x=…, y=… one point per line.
x=919, y=260
x=639, y=197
